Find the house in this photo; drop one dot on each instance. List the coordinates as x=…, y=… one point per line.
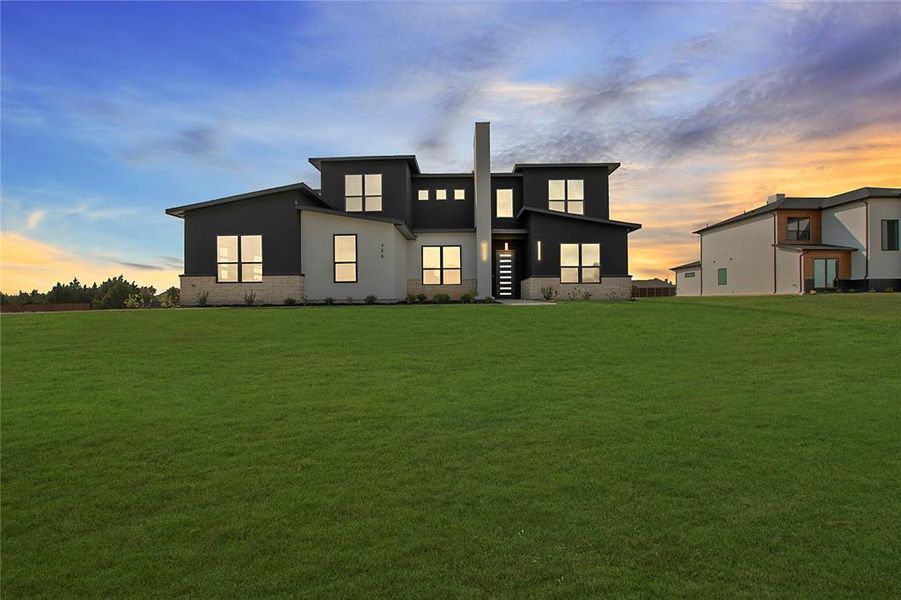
x=378, y=225
x=793, y=245
x=652, y=288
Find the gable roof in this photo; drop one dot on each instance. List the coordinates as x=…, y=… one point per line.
x=803, y=203
x=179, y=211
x=611, y=167
x=651, y=283
x=553, y=213
x=410, y=158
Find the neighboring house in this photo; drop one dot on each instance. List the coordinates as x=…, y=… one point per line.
x=798, y=245
x=379, y=226
x=652, y=288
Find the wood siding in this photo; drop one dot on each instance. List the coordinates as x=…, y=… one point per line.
x=844, y=264
x=816, y=226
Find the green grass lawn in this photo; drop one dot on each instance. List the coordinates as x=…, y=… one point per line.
x=691, y=447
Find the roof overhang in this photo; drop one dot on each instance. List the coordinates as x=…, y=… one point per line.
x=692, y=265
x=401, y=226
x=802, y=247
x=611, y=167
x=409, y=158
x=179, y=211
x=553, y=213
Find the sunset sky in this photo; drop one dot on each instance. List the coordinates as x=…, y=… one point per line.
x=113, y=112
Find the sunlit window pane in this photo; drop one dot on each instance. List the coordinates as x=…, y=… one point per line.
x=228, y=272
x=440, y=194
x=345, y=272
x=556, y=189
x=353, y=185
x=451, y=257
x=374, y=185
x=591, y=255
x=558, y=205
x=353, y=204
x=252, y=272
x=574, y=189
x=575, y=208
x=431, y=257
x=423, y=194
x=452, y=277
x=345, y=248
x=373, y=203
x=227, y=248
x=569, y=255
x=431, y=276
x=569, y=275
x=251, y=248
x=505, y=203
x=459, y=194
x=591, y=275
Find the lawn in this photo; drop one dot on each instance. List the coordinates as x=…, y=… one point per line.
x=692, y=447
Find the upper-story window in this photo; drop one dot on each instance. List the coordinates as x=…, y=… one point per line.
x=798, y=229
x=440, y=194
x=363, y=192
x=580, y=263
x=423, y=194
x=459, y=194
x=566, y=195
x=239, y=258
x=504, y=203
x=890, y=234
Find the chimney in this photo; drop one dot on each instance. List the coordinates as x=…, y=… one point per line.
x=775, y=198
x=481, y=150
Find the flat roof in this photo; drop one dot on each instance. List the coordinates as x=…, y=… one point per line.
x=610, y=166
x=410, y=158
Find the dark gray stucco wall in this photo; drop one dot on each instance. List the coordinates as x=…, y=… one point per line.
x=273, y=216
x=553, y=231
x=596, y=181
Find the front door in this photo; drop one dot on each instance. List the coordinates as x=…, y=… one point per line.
x=824, y=272
x=504, y=274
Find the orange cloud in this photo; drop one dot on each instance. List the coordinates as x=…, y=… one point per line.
x=27, y=264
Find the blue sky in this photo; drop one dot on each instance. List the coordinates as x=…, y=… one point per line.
x=112, y=112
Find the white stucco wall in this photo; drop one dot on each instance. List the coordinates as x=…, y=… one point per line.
x=788, y=271
x=690, y=286
x=846, y=225
x=381, y=258
x=468, y=251
x=746, y=250
x=884, y=264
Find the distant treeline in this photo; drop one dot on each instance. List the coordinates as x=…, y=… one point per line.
x=115, y=292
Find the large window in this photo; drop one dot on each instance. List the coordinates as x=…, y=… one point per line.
x=441, y=265
x=890, y=234
x=363, y=192
x=566, y=195
x=580, y=263
x=798, y=229
x=345, y=253
x=239, y=258
x=722, y=277
x=504, y=203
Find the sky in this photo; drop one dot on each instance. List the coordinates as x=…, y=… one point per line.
x=112, y=112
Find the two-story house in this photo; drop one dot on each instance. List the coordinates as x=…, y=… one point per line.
x=794, y=245
x=379, y=226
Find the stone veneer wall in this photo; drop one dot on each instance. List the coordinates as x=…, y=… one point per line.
x=414, y=286
x=610, y=288
x=272, y=290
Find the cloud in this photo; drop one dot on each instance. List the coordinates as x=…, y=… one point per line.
x=34, y=218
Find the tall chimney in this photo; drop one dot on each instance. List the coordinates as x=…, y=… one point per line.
x=481, y=150
x=775, y=198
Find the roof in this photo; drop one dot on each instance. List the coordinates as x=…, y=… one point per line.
x=554, y=213
x=179, y=211
x=692, y=265
x=651, y=283
x=815, y=247
x=611, y=167
x=410, y=158
x=401, y=225
x=801, y=203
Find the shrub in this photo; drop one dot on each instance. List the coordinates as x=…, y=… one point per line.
x=371, y=299
x=172, y=297
x=467, y=298
x=250, y=298
x=890, y=289
x=421, y=298
x=290, y=301
x=349, y=300
x=574, y=294
x=440, y=298
x=411, y=298
x=202, y=299
x=134, y=301
x=303, y=299
x=113, y=293
x=548, y=293
x=329, y=301
x=586, y=295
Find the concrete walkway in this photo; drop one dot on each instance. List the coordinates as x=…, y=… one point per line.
x=518, y=302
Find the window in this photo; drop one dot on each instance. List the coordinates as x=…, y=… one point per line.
x=825, y=271
x=363, y=192
x=566, y=195
x=232, y=266
x=441, y=265
x=798, y=229
x=440, y=194
x=345, y=252
x=423, y=194
x=890, y=234
x=504, y=203
x=459, y=194
x=580, y=263
x=721, y=277
x=689, y=275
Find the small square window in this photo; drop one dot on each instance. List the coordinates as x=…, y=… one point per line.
x=440, y=194
x=423, y=194
x=459, y=194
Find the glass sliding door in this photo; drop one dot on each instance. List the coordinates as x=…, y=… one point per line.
x=825, y=270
